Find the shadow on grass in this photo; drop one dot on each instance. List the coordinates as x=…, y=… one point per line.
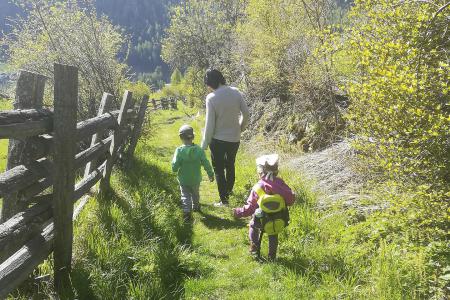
x=214, y=222
x=141, y=174
x=139, y=216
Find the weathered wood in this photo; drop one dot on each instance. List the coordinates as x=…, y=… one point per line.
x=80, y=206
x=136, y=133
x=126, y=102
x=43, y=145
x=26, y=195
x=164, y=104
x=65, y=123
x=29, y=95
x=20, y=228
x=105, y=104
x=8, y=117
x=93, y=152
x=16, y=268
x=23, y=176
x=27, y=129
x=88, y=182
x=95, y=125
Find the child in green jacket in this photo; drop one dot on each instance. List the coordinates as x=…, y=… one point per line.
x=187, y=160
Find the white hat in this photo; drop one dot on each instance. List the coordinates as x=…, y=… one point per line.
x=268, y=164
x=270, y=160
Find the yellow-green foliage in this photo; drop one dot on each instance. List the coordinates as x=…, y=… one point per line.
x=138, y=88
x=193, y=87
x=4, y=105
x=270, y=27
x=399, y=102
x=190, y=86
x=400, y=94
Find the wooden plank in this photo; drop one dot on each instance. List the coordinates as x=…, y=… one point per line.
x=85, y=185
x=23, y=176
x=95, y=125
x=105, y=104
x=126, y=102
x=138, y=126
x=29, y=95
x=98, y=149
x=20, y=228
x=65, y=123
x=80, y=206
x=26, y=129
x=17, y=268
x=8, y=117
x=26, y=195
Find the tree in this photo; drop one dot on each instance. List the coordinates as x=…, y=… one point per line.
x=176, y=77
x=69, y=32
x=201, y=33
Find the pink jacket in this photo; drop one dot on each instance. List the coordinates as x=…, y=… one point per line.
x=277, y=186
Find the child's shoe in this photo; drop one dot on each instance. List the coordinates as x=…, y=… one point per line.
x=271, y=257
x=187, y=217
x=253, y=249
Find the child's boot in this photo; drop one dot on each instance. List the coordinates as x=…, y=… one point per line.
x=273, y=245
x=272, y=257
x=187, y=217
x=253, y=249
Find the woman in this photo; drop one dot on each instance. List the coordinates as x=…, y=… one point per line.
x=226, y=117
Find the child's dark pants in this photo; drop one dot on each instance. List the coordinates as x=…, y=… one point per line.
x=254, y=232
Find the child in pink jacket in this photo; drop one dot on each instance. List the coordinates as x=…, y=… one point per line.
x=267, y=167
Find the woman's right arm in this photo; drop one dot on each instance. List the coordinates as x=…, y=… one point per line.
x=210, y=124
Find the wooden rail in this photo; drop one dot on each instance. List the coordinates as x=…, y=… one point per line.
x=39, y=187
x=165, y=103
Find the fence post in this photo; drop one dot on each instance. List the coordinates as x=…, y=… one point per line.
x=154, y=104
x=138, y=126
x=104, y=107
x=29, y=94
x=115, y=144
x=65, y=122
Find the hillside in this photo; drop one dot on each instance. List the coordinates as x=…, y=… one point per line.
x=143, y=20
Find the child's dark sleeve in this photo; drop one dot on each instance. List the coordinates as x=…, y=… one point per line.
x=205, y=163
x=176, y=161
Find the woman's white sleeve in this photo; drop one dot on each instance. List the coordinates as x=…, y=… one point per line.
x=210, y=124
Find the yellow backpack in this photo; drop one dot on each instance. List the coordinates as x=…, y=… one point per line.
x=275, y=215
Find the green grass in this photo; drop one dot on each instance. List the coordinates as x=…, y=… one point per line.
x=4, y=105
x=134, y=245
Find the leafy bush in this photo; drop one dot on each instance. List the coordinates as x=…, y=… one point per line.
x=69, y=32
x=400, y=92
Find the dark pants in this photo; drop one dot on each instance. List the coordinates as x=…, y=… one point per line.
x=223, y=156
x=254, y=231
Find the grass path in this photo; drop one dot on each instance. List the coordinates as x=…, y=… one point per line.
x=219, y=243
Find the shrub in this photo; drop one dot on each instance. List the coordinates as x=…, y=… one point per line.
x=69, y=32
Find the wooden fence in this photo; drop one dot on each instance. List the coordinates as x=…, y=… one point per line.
x=44, y=180
x=165, y=103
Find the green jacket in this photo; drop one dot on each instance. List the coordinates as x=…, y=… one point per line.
x=187, y=161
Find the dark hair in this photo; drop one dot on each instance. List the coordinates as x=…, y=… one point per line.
x=214, y=78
